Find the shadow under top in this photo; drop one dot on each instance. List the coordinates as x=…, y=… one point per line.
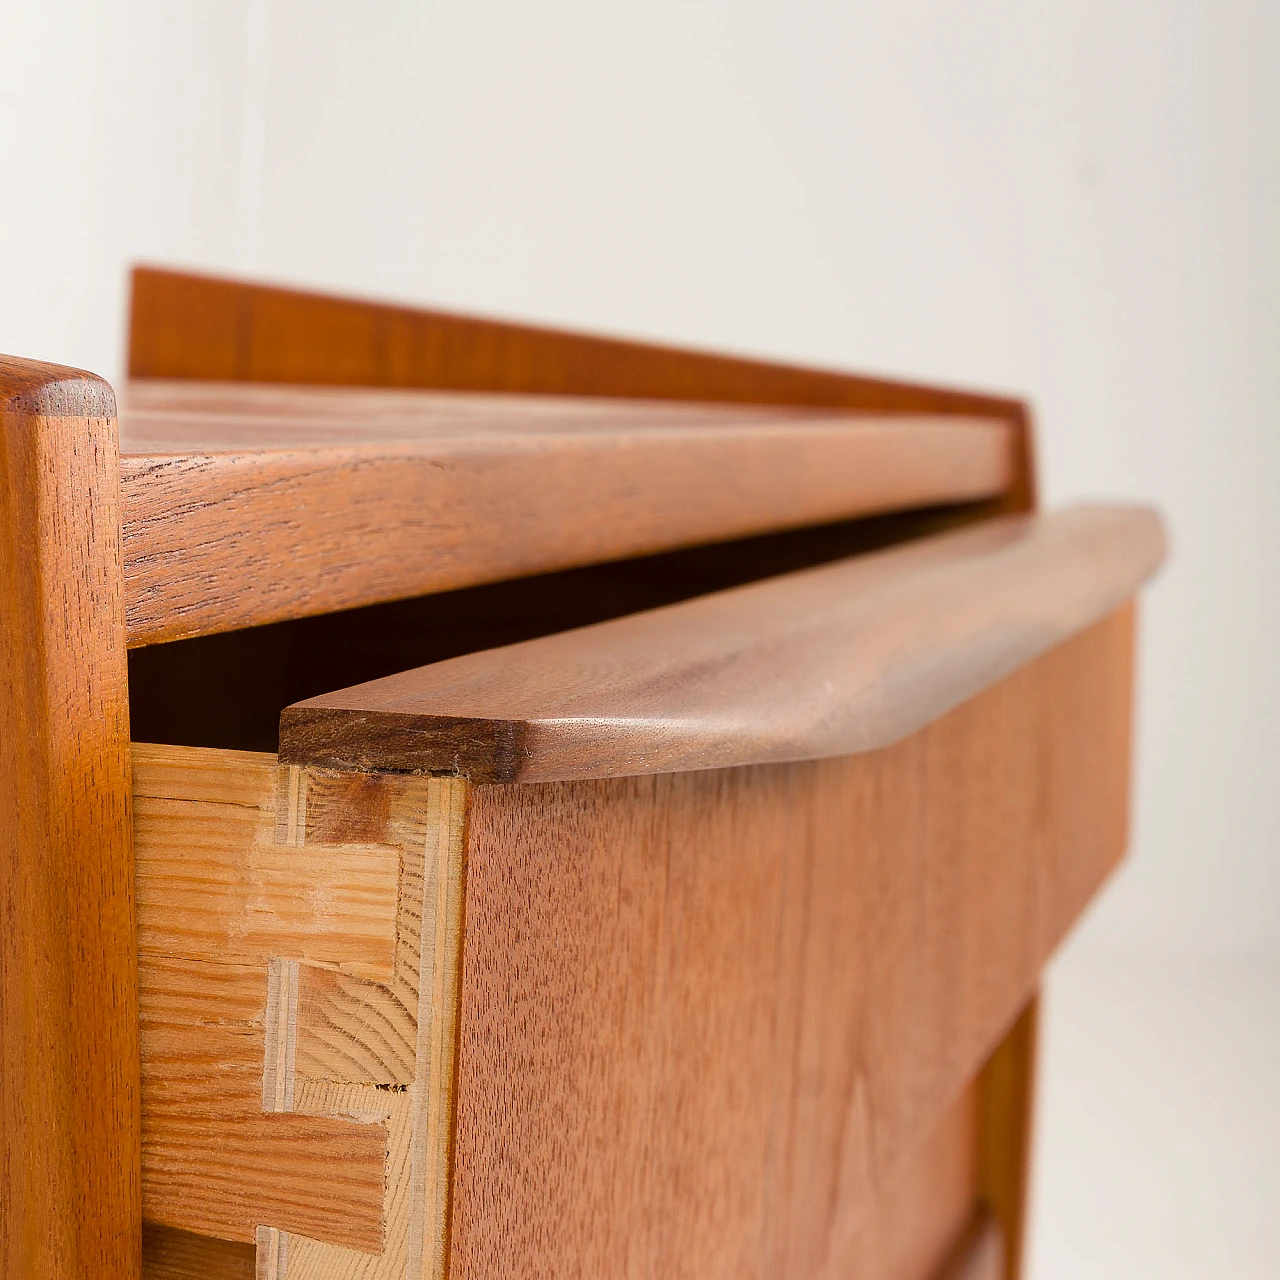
x=246, y=504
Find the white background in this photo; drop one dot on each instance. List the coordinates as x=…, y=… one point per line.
x=1076, y=201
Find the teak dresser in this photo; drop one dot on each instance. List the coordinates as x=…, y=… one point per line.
x=480, y=801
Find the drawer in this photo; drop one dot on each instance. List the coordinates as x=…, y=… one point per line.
x=662, y=946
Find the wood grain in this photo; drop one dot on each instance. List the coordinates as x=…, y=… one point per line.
x=847, y=657
x=214, y=882
x=197, y=327
x=228, y=690
x=923, y=1209
x=69, y=1185
x=705, y=1016
x=216, y=894
x=303, y=1110
x=188, y=328
x=169, y=1254
x=699, y=1031
x=246, y=505
x=364, y=1071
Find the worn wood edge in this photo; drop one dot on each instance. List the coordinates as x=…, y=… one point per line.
x=926, y=627
x=33, y=389
x=481, y=751
x=69, y=1072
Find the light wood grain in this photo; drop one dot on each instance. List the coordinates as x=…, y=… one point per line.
x=215, y=894
x=214, y=882
x=245, y=505
x=360, y=1068
x=303, y=1109
x=705, y=1016
x=844, y=658
x=437, y=1040
x=69, y=1188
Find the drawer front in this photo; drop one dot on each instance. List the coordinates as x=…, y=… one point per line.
x=923, y=1222
x=704, y=1016
x=685, y=1024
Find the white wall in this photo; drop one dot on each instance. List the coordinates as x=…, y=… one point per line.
x=1078, y=201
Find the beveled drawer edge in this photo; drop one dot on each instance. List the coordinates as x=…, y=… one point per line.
x=845, y=658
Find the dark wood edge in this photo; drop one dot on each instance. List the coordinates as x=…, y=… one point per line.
x=186, y=325
x=70, y=1151
x=848, y=657
x=481, y=751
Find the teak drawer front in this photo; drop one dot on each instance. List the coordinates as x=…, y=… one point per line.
x=704, y=1016
x=684, y=1024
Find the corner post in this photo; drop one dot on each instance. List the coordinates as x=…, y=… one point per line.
x=70, y=1201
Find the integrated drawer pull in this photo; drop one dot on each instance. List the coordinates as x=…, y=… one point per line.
x=829, y=661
